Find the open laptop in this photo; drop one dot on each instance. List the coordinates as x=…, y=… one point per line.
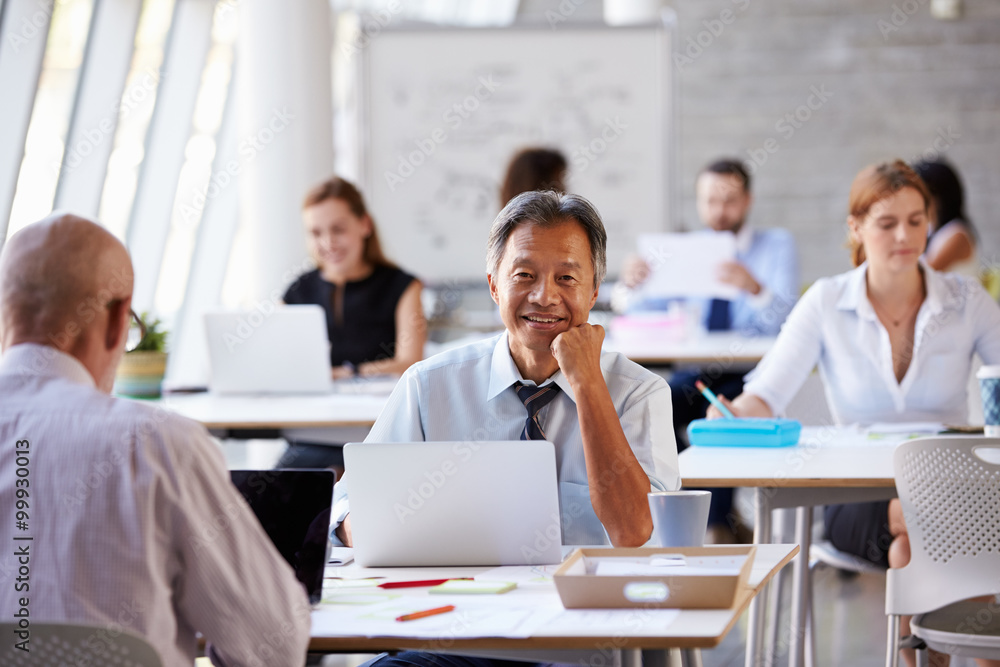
x=294, y=507
x=453, y=503
x=284, y=351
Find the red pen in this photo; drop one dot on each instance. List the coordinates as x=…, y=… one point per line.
x=414, y=584
x=427, y=612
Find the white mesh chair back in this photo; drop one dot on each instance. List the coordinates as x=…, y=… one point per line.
x=949, y=488
x=59, y=644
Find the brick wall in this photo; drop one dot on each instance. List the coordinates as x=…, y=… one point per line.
x=883, y=77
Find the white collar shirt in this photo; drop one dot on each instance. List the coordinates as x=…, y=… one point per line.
x=835, y=326
x=467, y=394
x=134, y=523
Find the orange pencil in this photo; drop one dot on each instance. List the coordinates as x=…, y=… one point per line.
x=427, y=612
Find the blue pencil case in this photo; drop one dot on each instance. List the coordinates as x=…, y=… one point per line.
x=744, y=432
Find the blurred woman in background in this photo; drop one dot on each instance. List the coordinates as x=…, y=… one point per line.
x=374, y=316
x=533, y=169
x=894, y=340
x=952, y=243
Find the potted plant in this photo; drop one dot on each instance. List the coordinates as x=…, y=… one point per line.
x=143, y=366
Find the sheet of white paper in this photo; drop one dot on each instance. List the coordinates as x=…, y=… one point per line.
x=341, y=555
x=713, y=566
x=906, y=428
x=612, y=622
x=489, y=616
x=686, y=265
x=521, y=574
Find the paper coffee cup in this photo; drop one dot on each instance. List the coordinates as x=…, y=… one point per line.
x=989, y=387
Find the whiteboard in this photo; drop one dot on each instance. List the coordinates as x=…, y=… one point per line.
x=445, y=109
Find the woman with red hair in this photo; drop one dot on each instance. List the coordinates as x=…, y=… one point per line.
x=894, y=340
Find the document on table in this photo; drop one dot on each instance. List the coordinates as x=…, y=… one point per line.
x=521, y=574
x=687, y=265
x=904, y=429
x=373, y=614
x=612, y=622
x=865, y=436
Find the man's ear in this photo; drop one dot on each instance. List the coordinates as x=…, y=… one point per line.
x=119, y=319
x=593, y=299
x=493, y=289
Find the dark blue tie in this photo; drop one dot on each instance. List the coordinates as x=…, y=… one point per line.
x=534, y=399
x=718, y=315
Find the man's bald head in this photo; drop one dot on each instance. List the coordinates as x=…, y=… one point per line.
x=58, y=277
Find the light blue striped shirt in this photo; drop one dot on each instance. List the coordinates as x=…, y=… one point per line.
x=466, y=394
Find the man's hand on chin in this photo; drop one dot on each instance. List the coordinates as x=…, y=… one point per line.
x=578, y=352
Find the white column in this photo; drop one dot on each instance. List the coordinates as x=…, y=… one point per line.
x=25, y=28
x=91, y=133
x=284, y=129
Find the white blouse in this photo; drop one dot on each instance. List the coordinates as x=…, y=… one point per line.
x=834, y=325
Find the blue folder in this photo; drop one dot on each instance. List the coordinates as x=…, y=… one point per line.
x=744, y=432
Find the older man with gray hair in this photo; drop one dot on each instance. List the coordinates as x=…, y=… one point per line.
x=129, y=519
x=546, y=376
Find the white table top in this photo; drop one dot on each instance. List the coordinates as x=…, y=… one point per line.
x=272, y=411
x=825, y=456
x=553, y=627
x=721, y=347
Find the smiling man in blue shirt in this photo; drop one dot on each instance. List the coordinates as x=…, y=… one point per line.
x=608, y=418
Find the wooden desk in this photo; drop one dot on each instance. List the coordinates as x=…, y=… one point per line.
x=723, y=348
x=690, y=628
x=829, y=465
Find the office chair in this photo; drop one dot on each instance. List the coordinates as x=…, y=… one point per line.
x=75, y=644
x=950, y=491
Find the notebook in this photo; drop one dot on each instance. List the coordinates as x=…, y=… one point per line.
x=293, y=506
x=284, y=350
x=453, y=503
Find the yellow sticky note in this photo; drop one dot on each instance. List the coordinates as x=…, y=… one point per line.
x=467, y=587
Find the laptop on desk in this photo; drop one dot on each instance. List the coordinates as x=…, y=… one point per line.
x=286, y=351
x=453, y=503
x=293, y=506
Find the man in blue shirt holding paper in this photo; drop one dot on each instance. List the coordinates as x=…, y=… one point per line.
x=765, y=271
x=766, y=268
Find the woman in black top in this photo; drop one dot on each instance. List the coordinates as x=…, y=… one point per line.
x=373, y=311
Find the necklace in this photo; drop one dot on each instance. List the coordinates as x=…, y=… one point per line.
x=904, y=316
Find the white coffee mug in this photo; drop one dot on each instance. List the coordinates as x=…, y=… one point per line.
x=680, y=518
